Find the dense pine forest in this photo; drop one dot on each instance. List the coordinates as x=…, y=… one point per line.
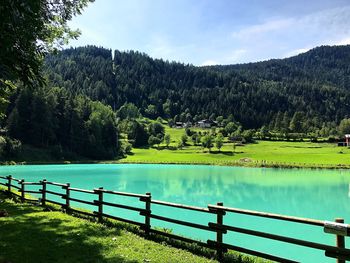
x=316, y=84
x=82, y=108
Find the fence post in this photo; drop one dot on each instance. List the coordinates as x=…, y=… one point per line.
x=99, y=192
x=22, y=191
x=148, y=213
x=67, y=197
x=340, y=240
x=43, y=192
x=9, y=178
x=219, y=233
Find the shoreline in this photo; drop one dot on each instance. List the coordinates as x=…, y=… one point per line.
x=236, y=163
x=252, y=164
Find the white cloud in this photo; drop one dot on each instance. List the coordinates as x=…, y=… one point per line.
x=283, y=36
x=88, y=37
x=266, y=27
x=209, y=63
x=295, y=52
x=160, y=47
x=236, y=55
x=344, y=41
x=334, y=22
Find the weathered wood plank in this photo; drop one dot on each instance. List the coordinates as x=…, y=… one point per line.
x=269, y=215
x=80, y=201
x=181, y=222
x=188, y=207
x=120, y=206
x=81, y=190
x=123, y=193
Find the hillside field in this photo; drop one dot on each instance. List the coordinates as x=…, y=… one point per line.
x=280, y=152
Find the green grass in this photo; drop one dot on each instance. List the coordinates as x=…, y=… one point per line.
x=31, y=235
x=262, y=153
x=35, y=234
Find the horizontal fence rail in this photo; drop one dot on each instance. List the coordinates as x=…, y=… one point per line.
x=269, y=215
x=188, y=207
x=19, y=187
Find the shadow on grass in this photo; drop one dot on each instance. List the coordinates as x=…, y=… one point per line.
x=161, y=148
x=145, y=147
x=301, y=147
x=228, y=153
x=30, y=235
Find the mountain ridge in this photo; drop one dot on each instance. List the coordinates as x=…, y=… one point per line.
x=316, y=83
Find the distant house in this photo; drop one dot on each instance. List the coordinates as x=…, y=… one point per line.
x=347, y=141
x=206, y=123
x=179, y=124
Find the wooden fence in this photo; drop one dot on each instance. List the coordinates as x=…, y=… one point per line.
x=337, y=228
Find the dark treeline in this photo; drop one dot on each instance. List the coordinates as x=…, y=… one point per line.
x=314, y=86
x=70, y=125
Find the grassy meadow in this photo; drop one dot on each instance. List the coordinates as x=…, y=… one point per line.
x=29, y=234
x=35, y=234
x=261, y=153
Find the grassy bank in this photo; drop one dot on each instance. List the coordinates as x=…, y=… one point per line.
x=259, y=154
x=31, y=234
x=283, y=154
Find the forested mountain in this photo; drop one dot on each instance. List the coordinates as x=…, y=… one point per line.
x=92, y=96
x=322, y=65
x=315, y=84
x=87, y=71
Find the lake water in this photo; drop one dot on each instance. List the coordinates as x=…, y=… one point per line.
x=317, y=194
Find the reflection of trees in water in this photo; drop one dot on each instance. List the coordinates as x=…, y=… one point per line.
x=300, y=192
x=313, y=199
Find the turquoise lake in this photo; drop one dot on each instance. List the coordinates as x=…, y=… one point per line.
x=317, y=194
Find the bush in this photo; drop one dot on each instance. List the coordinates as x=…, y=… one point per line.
x=184, y=139
x=207, y=142
x=155, y=129
x=2, y=145
x=12, y=147
x=248, y=136
x=332, y=139
x=188, y=132
x=152, y=140
x=126, y=148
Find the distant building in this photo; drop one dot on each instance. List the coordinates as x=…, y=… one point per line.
x=347, y=141
x=179, y=124
x=206, y=123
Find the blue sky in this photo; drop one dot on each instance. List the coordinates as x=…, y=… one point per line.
x=206, y=32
